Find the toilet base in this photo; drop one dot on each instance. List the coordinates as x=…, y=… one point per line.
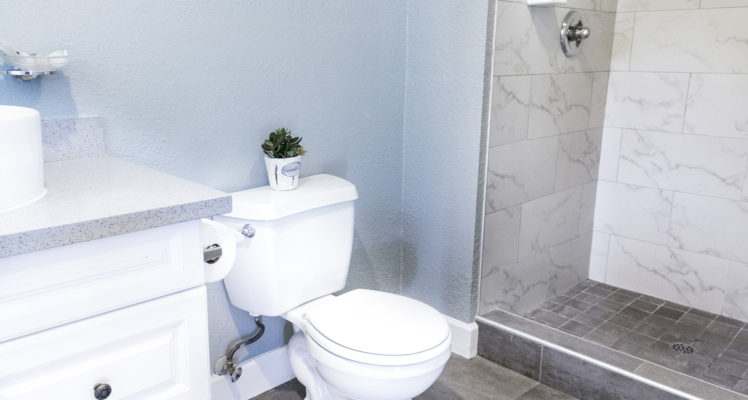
x=304, y=367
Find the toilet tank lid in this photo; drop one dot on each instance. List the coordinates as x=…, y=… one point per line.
x=263, y=204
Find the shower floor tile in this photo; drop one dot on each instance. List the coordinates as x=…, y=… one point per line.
x=707, y=346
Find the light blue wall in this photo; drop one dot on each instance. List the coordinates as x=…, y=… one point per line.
x=191, y=87
x=441, y=148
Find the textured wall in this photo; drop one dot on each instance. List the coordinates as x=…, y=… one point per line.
x=191, y=87
x=444, y=82
x=546, y=128
x=672, y=208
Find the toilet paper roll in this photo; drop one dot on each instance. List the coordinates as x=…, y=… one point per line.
x=212, y=232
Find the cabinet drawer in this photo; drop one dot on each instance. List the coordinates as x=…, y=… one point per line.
x=154, y=350
x=51, y=287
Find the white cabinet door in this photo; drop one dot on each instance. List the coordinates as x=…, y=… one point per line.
x=153, y=350
x=52, y=287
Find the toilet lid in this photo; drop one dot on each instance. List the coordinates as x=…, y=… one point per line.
x=378, y=323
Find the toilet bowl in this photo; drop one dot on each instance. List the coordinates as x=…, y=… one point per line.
x=362, y=344
x=368, y=345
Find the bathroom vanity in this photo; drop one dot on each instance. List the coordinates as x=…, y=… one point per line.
x=102, y=286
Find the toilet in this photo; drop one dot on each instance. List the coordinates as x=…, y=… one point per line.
x=363, y=344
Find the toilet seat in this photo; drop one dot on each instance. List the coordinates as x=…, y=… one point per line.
x=378, y=328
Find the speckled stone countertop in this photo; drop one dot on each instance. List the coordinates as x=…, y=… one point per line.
x=92, y=198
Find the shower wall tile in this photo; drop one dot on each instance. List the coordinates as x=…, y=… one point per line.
x=673, y=174
x=578, y=158
x=736, y=291
x=588, y=197
x=549, y=221
x=679, y=276
x=527, y=40
x=723, y=3
x=517, y=288
x=501, y=238
x=559, y=103
x=510, y=109
x=709, y=225
x=633, y=211
x=569, y=264
x=599, y=256
x=718, y=104
x=622, y=37
x=520, y=172
x=646, y=101
x=641, y=5
x=524, y=37
x=681, y=162
x=714, y=41
x=547, y=115
x=599, y=97
x=609, y=152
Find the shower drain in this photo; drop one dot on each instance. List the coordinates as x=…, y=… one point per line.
x=682, y=348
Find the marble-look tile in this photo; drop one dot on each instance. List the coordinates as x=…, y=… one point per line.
x=736, y=291
x=642, y=5
x=524, y=37
x=596, y=54
x=501, y=238
x=646, y=101
x=518, y=354
x=520, y=172
x=681, y=162
x=587, y=201
x=609, y=153
x=599, y=97
x=633, y=211
x=569, y=264
x=717, y=105
x=704, y=40
x=549, y=221
x=518, y=288
x=723, y=3
x=510, y=109
x=709, y=225
x=578, y=158
x=599, y=256
x=560, y=103
x=679, y=276
x=624, y=31
x=528, y=40
x=72, y=138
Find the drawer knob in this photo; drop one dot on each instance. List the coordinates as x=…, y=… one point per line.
x=102, y=391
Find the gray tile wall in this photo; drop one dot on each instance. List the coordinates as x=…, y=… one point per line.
x=545, y=140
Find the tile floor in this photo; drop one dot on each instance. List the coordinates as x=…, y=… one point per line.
x=704, y=345
x=474, y=379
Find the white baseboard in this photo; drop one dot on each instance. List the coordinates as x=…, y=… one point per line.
x=464, y=337
x=259, y=375
x=272, y=369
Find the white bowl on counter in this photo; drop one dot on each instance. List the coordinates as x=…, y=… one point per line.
x=21, y=158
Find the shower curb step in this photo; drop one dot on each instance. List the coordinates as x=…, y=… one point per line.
x=581, y=368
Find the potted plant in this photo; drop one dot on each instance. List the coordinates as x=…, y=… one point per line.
x=283, y=159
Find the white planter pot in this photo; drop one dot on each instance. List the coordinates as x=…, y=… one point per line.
x=283, y=173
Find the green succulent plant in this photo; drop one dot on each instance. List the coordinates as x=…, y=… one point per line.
x=281, y=144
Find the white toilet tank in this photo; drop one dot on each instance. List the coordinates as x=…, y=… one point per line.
x=301, y=246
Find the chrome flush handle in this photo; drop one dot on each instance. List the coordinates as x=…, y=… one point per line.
x=248, y=231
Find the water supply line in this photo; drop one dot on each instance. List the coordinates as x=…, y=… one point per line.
x=229, y=367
